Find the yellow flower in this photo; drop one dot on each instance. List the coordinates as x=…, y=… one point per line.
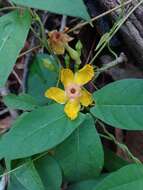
x=74, y=94
x=58, y=41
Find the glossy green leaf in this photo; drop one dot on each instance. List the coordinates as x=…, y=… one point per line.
x=74, y=8
x=127, y=178
x=14, y=28
x=113, y=161
x=38, y=131
x=50, y=172
x=120, y=104
x=42, y=75
x=81, y=155
x=26, y=177
x=21, y=102
x=87, y=184
x=14, y=184
x=84, y=185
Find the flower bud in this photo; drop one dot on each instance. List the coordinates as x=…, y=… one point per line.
x=79, y=47
x=58, y=41
x=73, y=54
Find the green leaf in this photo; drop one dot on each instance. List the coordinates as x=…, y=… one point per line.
x=43, y=76
x=14, y=184
x=127, y=178
x=84, y=185
x=120, y=104
x=38, y=131
x=113, y=161
x=21, y=102
x=50, y=172
x=81, y=155
x=14, y=28
x=26, y=177
x=74, y=8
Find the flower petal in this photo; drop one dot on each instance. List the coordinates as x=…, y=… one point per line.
x=86, y=98
x=72, y=108
x=56, y=94
x=67, y=77
x=58, y=49
x=84, y=75
x=58, y=40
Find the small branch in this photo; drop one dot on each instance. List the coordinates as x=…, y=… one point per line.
x=22, y=165
x=3, y=182
x=43, y=40
x=4, y=111
x=63, y=23
x=99, y=16
x=4, y=92
x=122, y=58
x=29, y=51
x=90, y=52
x=17, y=77
x=10, y=8
x=120, y=145
x=26, y=64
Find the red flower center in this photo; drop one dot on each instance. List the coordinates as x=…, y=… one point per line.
x=57, y=35
x=73, y=90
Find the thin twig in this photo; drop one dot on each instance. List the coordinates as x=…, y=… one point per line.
x=36, y=34
x=4, y=111
x=90, y=52
x=29, y=51
x=4, y=92
x=22, y=165
x=122, y=58
x=3, y=182
x=26, y=63
x=17, y=77
x=120, y=145
x=121, y=22
x=63, y=22
x=10, y=8
x=99, y=16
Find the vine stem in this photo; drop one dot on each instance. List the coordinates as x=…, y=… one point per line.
x=121, y=22
x=10, y=8
x=122, y=58
x=63, y=23
x=22, y=165
x=4, y=92
x=29, y=51
x=122, y=146
x=80, y=25
x=4, y=111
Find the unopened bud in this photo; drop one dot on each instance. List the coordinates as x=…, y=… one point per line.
x=79, y=47
x=67, y=60
x=73, y=54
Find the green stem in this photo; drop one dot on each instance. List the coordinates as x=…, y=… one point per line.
x=120, y=145
x=43, y=35
x=111, y=137
x=22, y=165
x=120, y=23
